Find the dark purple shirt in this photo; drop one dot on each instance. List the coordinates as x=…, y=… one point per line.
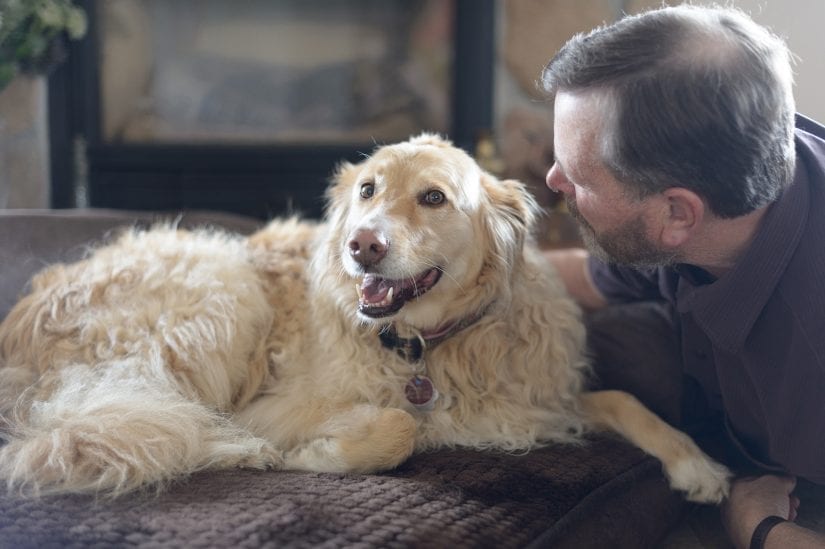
x=755, y=338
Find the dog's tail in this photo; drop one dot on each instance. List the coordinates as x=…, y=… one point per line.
x=110, y=439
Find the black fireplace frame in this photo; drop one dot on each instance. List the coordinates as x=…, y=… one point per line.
x=257, y=180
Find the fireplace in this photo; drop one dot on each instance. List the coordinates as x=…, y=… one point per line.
x=247, y=106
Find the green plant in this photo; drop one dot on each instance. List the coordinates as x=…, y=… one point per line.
x=33, y=34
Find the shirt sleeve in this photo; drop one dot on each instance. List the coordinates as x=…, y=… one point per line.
x=620, y=284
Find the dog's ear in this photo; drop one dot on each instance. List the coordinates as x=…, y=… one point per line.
x=512, y=216
x=338, y=191
x=345, y=174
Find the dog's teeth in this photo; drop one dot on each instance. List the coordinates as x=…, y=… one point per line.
x=388, y=299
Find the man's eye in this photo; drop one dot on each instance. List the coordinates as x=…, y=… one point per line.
x=367, y=190
x=433, y=197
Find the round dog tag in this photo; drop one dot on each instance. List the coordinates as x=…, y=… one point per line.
x=421, y=393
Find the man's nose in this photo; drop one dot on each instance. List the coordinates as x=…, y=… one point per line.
x=556, y=180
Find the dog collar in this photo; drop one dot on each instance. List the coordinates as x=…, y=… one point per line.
x=412, y=348
x=420, y=390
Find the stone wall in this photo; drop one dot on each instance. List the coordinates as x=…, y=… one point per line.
x=24, y=144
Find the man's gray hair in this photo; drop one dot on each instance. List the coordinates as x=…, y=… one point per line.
x=701, y=98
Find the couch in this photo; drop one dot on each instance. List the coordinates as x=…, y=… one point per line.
x=603, y=493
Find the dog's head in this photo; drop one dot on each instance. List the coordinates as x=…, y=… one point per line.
x=424, y=234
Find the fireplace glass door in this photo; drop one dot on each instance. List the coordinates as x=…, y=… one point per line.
x=283, y=72
x=248, y=105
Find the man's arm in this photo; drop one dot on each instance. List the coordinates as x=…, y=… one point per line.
x=753, y=499
x=571, y=265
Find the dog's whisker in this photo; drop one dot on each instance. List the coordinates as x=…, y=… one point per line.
x=454, y=279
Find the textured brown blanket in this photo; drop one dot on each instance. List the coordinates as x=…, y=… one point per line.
x=602, y=494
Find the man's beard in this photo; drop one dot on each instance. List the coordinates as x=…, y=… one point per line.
x=626, y=244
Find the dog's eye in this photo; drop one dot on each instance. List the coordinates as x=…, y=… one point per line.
x=367, y=190
x=433, y=197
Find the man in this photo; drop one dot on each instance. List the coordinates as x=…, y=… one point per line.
x=676, y=150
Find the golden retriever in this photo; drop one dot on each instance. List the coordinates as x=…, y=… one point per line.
x=418, y=315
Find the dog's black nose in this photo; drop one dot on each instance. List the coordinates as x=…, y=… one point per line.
x=368, y=247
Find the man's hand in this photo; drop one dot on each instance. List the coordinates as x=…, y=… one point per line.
x=753, y=499
x=571, y=264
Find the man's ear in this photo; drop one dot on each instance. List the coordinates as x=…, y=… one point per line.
x=683, y=212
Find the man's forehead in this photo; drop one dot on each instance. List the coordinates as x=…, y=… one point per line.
x=575, y=129
x=586, y=110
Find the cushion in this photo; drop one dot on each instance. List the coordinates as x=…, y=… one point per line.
x=602, y=494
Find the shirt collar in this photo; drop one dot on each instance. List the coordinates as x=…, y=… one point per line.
x=727, y=308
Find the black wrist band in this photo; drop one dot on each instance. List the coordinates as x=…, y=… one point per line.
x=762, y=529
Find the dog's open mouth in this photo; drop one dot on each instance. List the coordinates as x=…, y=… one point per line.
x=382, y=297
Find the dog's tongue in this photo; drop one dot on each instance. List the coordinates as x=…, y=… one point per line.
x=374, y=288
x=379, y=296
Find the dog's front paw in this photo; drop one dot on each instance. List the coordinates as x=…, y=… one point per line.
x=389, y=441
x=266, y=458
x=364, y=440
x=701, y=479
x=246, y=453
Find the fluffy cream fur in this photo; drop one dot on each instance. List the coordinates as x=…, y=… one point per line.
x=169, y=351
